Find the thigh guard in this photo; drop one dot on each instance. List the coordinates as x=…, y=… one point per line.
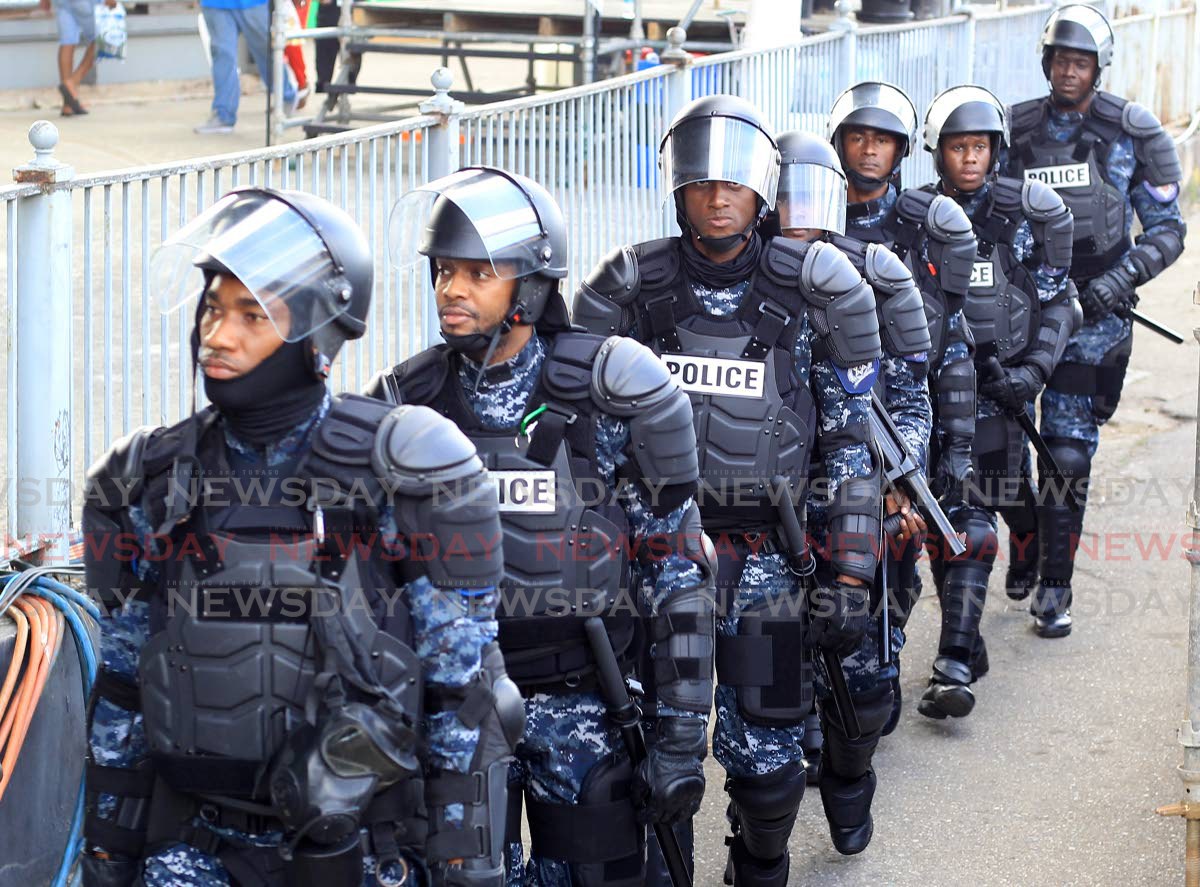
x=767, y=662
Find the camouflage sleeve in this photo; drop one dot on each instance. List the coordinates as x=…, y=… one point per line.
x=958, y=344
x=839, y=414
x=662, y=575
x=906, y=395
x=451, y=628
x=1051, y=281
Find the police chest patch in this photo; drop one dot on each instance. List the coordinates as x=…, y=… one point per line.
x=528, y=492
x=1070, y=175
x=982, y=275
x=859, y=378
x=717, y=375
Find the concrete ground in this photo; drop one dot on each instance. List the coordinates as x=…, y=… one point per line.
x=1054, y=778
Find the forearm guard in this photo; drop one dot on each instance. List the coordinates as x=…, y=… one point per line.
x=683, y=631
x=854, y=518
x=955, y=393
x=1058, y=322
x=471, y=853
x=1156, y=251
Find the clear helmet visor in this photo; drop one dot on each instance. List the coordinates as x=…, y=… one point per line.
x=470, y=214
x=265, y=244
x=811, y=196
x=720, y=149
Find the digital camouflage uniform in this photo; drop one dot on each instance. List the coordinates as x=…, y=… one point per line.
x=566, y=735
x=450, y=631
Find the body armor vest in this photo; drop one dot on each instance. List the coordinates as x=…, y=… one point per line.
x=566, y=539
x=754, y=417
x=1077, y=170
x=262, y=604
x=904, y=236
x=1002, y=306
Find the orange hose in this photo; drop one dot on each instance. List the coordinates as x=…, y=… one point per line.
x=46, y=643
x=27, y=678
x=14, y=666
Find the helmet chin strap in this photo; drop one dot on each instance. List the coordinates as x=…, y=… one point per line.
x=488, y=342
x=861, y=181
x=730, y=241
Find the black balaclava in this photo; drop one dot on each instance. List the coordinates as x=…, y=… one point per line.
x=263, y=405
x=704, y=270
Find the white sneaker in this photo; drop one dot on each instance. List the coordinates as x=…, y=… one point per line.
x=213, y=126
x=297, y=102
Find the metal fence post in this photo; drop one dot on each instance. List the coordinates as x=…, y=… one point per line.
x=968, y=12
x=42, y=340
x=849, y=28
x=444, y=158
x=678, y=93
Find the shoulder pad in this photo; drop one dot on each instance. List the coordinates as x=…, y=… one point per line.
x=1154, y=148
x=855, y=250
x=658, y=261
x=1024, y=116
x=827, y=274
x=1041, y=202
x=849, y=327
x=783, y=260
x=115, y=479
x=347, y=433
x=628, y=378
x=885, y=272
x=567, y=372
x=417, y=380
x=1007, y=194
x=946, y=221
x=416, y=449
x=913, y=205
x=1108, y=107
x=1139, y=121
x=617, y=277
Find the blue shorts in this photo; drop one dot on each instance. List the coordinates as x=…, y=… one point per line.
x=76, y=22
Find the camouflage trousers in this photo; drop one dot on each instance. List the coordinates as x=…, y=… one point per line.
x=182, y=865
x=1079, y=416
x=744, y=748
x=566, y=736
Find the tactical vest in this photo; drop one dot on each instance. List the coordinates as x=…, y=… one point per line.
x=1002, y=306
x=754, y=417
x=904, y=234
x=1077, y=169
x=262, y=604
x=566, y=538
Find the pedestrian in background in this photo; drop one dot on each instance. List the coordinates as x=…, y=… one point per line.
x=76, y=26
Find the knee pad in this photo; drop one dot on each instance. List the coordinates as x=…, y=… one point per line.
x=766, y=663
x=1110, y=379
x=851, y=758
x=764, y=808
x=981, y=540
x=599, y=837
x=1072, y=456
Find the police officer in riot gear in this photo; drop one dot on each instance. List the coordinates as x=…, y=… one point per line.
x=1021, y=310
x=590, y=442
x=300, y=680
x=778, y=345
x=811, y=204
x=1109, y=160
x=872, y=126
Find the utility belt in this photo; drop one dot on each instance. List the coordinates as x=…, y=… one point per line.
x=550, y=653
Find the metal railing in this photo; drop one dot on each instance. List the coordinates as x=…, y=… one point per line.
x=78, y=247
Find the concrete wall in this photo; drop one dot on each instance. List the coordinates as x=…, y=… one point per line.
x=164, y=45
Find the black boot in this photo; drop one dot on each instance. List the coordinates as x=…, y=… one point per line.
x=949, y=692
x=848, y=808
x=1059, y=531
x=744, y=870
x=1051, y=609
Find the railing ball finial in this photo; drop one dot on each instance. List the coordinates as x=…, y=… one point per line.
x=43, y=135
x=440, y=102
x=442, y=79
x=675, y=54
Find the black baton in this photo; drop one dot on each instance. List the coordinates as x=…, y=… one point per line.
x=624, y=712
x=1154, y=326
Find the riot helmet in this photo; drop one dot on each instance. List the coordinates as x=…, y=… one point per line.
x=1081, y=27
x=966, y=109
x=876, y=105
x=490, y=215
x=720, y=138
x=305, y=261
x=812, y=186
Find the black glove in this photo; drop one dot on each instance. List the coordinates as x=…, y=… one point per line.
x=837, y=617
x=669, y=784
x=1105, y=293
x=1015, y=387
x=953, y=469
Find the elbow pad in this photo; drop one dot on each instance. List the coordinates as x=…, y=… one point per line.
x=1156, y=251
x=955, y=392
